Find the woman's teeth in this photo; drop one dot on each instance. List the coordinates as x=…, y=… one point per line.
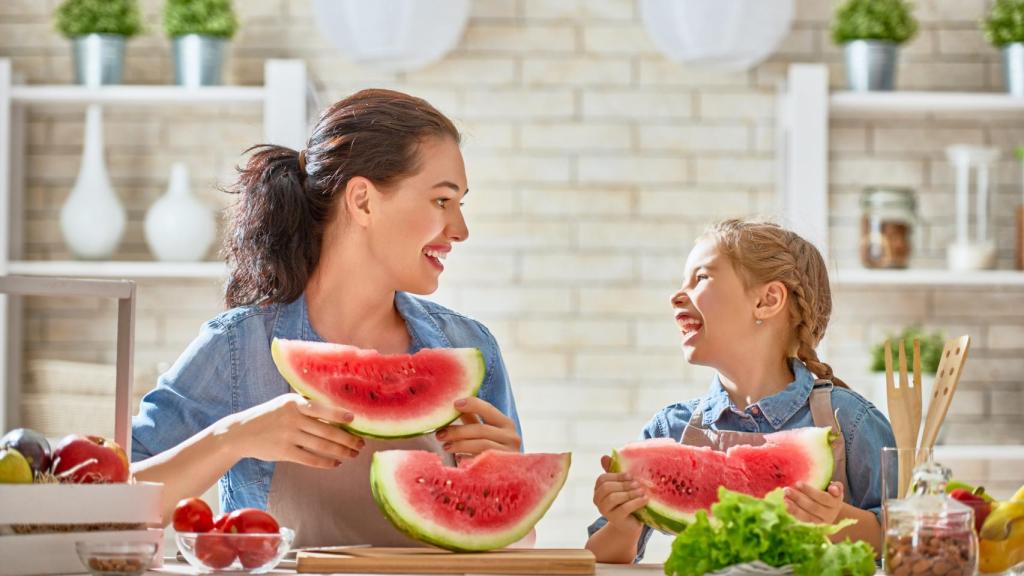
x=436, y=254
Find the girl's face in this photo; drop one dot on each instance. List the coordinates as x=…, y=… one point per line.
x=417, y=222
x=713, y=309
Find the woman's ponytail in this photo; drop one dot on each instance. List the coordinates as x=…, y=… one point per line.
x=275, y=230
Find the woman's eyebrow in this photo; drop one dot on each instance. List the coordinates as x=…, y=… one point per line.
x=452, y=185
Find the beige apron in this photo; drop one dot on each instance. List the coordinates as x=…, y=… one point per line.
x=821, y=413
x=335, y=507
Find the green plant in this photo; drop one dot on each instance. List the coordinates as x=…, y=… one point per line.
x=889, y=20
x=931, y=350
x=206, y=17
x=1005, y=22
x=81, y=17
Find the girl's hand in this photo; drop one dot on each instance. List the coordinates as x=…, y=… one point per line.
x=808, y=504
x=617, y=496
x=292, y=429
x=495, y=431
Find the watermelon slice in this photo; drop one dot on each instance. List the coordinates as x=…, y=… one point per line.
x=682, y=479
x=490, y=503
x=391, y=396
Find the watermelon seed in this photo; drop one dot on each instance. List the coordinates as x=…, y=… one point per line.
x=412, y=391
x=487, y=492
x=447, y=499
x=460, y=506
x=447, y=482
x=420, y=480
x=472, y=512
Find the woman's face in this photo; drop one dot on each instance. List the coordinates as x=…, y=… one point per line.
x=419, y=219
x=713, y=309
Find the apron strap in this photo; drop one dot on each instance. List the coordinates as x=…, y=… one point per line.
x=823, y=415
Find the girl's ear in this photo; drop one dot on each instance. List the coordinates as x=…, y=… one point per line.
x=771, y=300
x=358, y=191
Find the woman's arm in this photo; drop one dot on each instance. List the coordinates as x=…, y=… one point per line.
x=286, y=428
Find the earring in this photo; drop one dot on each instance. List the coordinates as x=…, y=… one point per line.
x=759, y=322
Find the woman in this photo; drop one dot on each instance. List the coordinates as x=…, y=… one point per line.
x=325, y=244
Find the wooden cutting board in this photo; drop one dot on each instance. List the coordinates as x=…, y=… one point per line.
x=435, y=561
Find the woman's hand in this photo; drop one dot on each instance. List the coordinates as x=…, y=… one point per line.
x=617, y=496
x=290, y=428
x=808, y=504
x=483, y=427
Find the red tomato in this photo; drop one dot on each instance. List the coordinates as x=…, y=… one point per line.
x=219, y=520
x=214, y=550
x=192, y=515
x=253, y=551
x=250, y=521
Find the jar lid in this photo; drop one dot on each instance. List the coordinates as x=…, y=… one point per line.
x=888, y=198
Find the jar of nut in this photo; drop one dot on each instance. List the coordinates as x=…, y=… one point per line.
x=928, y=532
x=886, y=227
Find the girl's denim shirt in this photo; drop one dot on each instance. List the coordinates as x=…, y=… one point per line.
x=228, y=368
x=865, y=429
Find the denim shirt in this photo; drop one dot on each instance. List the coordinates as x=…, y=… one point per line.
x=865, y=430
x=228, y=368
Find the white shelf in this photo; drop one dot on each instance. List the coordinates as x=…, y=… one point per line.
x=899, y=102
x=980, y=452
x=939, y=277
x=127, y=94
x=108, y=269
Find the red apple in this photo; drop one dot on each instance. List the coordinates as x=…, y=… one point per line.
x=89, y=460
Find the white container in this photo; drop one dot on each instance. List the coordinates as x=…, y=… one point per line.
x=179, y=228
x=54, y=553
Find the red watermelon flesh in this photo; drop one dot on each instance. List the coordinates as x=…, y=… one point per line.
x=681, y=479
x=391, y=396
x=490, y=503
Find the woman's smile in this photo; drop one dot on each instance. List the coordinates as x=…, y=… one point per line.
x=435, y=253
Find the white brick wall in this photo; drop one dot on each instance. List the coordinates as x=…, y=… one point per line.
x=593, y=162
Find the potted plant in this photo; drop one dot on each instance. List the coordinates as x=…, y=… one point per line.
x=199, y=30
x=931, y=354
x=1004, y=29
x=871, y=32
x=98, y=30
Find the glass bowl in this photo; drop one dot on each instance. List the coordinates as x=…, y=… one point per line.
x=243, y=553
x=116, y=559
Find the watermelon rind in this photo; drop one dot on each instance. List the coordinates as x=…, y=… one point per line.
x=816, y=441
x=390, y=500
x=471, y=359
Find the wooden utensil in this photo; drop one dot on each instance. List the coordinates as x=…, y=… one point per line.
x=375, y=560
x=898, y=401
x=954, y=356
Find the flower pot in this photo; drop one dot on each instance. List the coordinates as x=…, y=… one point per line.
x=98, y=59
x=198, y=60
x=871, y=65
x=178, y=226
x=92, y=219
x=1013, y=68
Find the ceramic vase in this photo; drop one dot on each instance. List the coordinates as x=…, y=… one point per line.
x=179, y=227
x=92, y=219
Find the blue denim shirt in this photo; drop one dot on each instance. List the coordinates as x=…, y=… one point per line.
x=865, y=430
x=228, y=368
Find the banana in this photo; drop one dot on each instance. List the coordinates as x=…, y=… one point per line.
x=1019, y=495
x=1002, y=520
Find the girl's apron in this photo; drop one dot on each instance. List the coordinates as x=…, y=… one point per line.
x=335, y=507
x=821, y=413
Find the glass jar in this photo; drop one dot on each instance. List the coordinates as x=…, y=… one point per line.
x=886, y=227
x=928, y=532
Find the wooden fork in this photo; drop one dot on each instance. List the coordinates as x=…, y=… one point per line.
x=899, y=402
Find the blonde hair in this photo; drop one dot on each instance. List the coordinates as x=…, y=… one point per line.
x=763, y=252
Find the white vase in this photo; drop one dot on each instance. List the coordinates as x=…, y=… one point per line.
x=178, y=226
x=92, y=219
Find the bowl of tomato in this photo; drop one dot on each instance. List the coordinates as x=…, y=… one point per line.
x=247, y=540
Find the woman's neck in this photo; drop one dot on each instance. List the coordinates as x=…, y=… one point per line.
x=749, y=381
x=355, y=309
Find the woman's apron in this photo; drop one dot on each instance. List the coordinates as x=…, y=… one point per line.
x=335, y=507
x=821, y=413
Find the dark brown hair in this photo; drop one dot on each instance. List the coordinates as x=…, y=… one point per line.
x=287, y=198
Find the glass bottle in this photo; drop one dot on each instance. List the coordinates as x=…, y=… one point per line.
x=928, y=532
x=887, y=225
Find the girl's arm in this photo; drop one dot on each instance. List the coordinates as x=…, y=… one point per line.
x=867, y=527
x=615, y=544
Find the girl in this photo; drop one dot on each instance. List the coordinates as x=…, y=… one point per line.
x=754, y=303
x=326, y=244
